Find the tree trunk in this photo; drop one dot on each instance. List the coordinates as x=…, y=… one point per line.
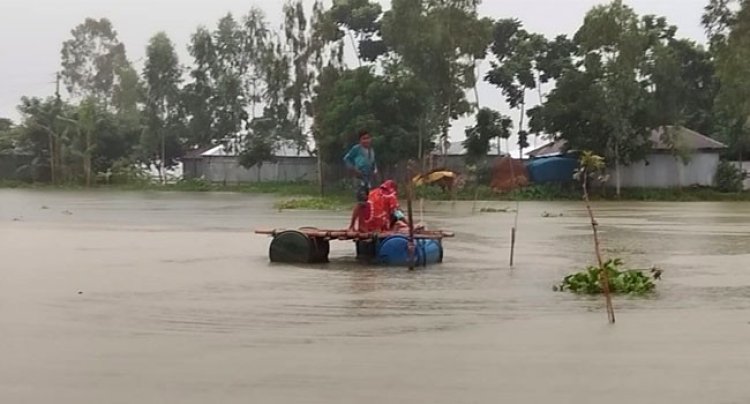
x=87, y=159
x=742, y=170
x=52, y=165
x=321, y=186
x=420, y=152
x=355, y=48
x=476, y=84
x=617, y=169
x=520, y=126
x=163, y=171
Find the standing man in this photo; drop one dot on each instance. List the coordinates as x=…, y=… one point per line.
x=360, y=160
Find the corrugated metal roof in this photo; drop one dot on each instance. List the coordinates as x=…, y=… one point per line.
x=282, y=151
x=684, y=136
x=196, y=153
x=457, y=149
x=549, y=149
x=660, y=140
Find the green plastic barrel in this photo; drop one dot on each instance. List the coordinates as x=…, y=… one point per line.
x=321, y=249
x=294, y=247
x=366, y=251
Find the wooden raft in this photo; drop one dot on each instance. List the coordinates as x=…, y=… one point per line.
x=356, y=236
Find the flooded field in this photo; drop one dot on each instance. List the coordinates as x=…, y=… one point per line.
x=156, y=298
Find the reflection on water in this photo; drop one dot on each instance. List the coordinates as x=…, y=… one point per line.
x=170, y=298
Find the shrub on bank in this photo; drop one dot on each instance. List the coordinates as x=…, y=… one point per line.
x=729, y=177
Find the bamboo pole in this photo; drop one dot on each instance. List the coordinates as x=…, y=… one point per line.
x=604, y=275
x=410, y=213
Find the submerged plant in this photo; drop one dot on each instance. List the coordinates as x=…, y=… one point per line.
x=620, y=281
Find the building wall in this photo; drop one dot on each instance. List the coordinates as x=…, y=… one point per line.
x=746, y=169
x=456, y=163
x=228, y=170
x=191, y=168
x=668, y=171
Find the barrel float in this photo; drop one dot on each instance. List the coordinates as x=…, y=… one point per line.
x=294, y=247
x=394, y=250
x=366, y=250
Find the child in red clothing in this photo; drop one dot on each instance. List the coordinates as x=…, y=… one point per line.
x=380, y=211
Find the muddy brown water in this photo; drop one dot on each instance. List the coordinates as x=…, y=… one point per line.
x=156, y=298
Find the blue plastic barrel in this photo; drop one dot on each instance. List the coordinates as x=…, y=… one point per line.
x=394, y=250
x=545, y=170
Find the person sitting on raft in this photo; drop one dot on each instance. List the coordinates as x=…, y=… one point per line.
x=381, y=212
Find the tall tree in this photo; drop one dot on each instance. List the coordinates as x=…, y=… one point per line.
x=229, y=78
x=127, y=96
x=94, y=60
x=231, y=101
x=45, y=135
x=515, y=70
x=489, y=125
x=604, y=103
x=198, y=95
x=683, y=85
x=88, y=116
x=359, y=20
x=439, y=41
x=7, y=140
x=162, y=75
x=728, y=25
x=385, y=105
x=298, y=46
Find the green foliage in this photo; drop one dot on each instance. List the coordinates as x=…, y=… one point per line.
x=385, y=106
x=264, y=136
x=7, y=134
x=124, y=172
x=621, y=281
x=162, y=73
x=438, y=42
x=490, y=125
x=93, y=60
x=235, y=67
x=312, y=203
x=619, y=77
x=523, y=62
x=684, y=85
x=728, y=24
x=729, y=177
x=545, y=192
x=632, y=77
x=359, y=19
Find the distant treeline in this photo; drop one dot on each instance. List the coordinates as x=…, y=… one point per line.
x=254, y=88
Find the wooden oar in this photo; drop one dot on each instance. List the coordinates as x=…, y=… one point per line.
x=410, y=244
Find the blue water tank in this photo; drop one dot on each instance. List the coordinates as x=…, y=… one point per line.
x=546, y=170
x=393, y=250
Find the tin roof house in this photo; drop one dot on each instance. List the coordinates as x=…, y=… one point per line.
x=694, y=165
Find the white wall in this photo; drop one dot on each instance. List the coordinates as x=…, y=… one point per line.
x=668, y=171
x=745, y=168
x=228, y=170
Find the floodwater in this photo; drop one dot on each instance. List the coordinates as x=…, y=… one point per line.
x=169, y=298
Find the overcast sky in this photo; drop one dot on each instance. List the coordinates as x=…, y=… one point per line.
x=32, y=31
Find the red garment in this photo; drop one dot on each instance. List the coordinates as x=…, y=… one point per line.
x=381, y=204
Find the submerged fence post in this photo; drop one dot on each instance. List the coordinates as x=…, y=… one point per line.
x=512, y=244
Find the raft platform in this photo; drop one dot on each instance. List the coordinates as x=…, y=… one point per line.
x=310, y=245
